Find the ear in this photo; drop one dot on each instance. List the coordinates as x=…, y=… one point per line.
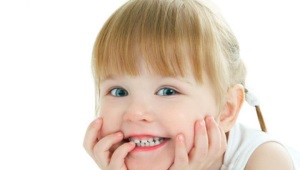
x=234, y=101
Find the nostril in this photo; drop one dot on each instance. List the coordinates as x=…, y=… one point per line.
x=137, y=116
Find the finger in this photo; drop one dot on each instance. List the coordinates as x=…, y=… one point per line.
x=118, y=157
x=102, y=151
x=223, y=139
x=201, y=141
x=181, y=157
x=214, y=135
x=91, y=134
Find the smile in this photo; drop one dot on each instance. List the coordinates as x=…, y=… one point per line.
x=147, y=143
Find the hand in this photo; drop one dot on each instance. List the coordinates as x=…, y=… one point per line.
x=101, y=150
x=209, y=146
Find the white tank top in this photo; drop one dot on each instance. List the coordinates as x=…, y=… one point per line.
x=242, y=142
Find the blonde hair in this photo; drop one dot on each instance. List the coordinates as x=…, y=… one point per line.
x=170, y=37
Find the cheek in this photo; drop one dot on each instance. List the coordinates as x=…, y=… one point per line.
x=181, y=121
x=111, y=120
x=182, y=118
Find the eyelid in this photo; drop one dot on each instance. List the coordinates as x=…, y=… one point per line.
x=168, y=87
x=108, y=91
x=114, y=88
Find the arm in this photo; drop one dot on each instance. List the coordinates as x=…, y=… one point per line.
x=270, y=155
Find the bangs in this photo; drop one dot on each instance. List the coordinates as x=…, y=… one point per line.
x=163, y=35
x=170, y=38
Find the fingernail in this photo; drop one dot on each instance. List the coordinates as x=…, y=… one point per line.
x=132, y=144
x=180, y=138
x=97, y=120
x=210, y=119
x=119, y=134
x=200, y=123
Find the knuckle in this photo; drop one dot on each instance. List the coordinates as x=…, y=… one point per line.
x=218, y=147
x=203, y=154
x=87, y=147
x=96, y=150
x=182, y=159
x=86, y=143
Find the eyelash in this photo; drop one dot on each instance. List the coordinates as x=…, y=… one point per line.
x=125, y=93
x=173, y=91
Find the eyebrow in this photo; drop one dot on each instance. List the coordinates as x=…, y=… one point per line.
x=179, y=79
x=108, y=77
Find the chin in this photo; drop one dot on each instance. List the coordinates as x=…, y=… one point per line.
x=158, y=157
x=146, y=164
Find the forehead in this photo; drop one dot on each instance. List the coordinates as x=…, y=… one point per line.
x=165, y=36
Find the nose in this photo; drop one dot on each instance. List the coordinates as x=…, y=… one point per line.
x=138, y=110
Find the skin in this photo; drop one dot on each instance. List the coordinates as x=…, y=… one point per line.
x=176, y=108
x=189, y=113
x=270, y=155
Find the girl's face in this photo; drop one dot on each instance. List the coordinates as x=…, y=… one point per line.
x=152, y=109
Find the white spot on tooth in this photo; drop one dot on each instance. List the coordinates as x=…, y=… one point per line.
x=157, y=142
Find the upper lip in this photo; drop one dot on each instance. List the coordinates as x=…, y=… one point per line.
x=143, y=136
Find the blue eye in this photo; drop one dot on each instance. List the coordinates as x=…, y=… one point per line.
x=166, y=92
x=118, y=92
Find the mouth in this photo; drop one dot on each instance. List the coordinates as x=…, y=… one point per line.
x=144, y=143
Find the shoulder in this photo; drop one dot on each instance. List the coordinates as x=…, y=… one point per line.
x=270, y=155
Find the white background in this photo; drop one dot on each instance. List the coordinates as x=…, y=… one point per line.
x=46, y=86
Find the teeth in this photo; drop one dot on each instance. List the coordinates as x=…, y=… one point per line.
x=156, y=142
x=152, y=143
x=147, y=142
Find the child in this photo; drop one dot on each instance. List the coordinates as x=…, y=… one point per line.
x=169, y=88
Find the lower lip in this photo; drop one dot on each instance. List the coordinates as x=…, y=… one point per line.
x=149, y=148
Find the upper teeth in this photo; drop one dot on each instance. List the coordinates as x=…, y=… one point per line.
x=147, y=142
